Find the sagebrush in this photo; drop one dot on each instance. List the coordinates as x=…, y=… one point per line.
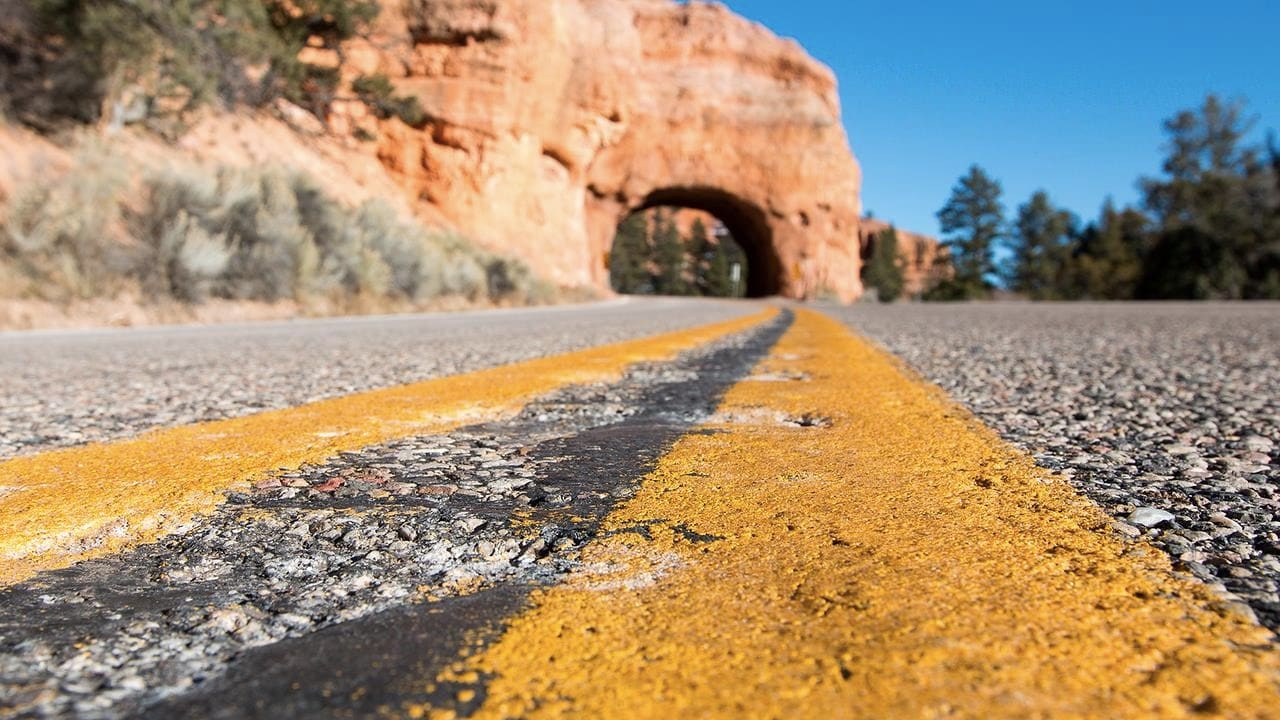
x=189, y=234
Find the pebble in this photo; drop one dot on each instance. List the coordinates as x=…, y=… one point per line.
x=1150, y=517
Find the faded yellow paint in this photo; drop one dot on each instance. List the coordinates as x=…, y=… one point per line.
x=901, y=562
x=63, y=506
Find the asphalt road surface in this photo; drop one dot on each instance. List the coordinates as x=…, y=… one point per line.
x=1170, y=406
x=755, y=509
x=67, y=388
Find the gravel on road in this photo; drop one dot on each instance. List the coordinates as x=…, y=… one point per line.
x=60, y=389
x=258, y=588
x=1166, y=415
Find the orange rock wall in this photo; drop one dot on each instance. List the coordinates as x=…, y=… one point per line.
x=925, y=261
x=551, y=120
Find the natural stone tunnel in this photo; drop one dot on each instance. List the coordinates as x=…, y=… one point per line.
x=551, y=120
x=746, y=223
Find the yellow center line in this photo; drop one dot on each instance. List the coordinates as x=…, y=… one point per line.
x=68, y=505
x=893, y=559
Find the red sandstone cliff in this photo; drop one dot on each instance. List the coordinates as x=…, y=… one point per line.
x=548, y=121
x=925, y=261
x=551, y=120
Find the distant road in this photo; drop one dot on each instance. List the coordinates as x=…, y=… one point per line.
x=64, y=388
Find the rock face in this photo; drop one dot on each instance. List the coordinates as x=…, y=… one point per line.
x=925, y=261
x=551, y=120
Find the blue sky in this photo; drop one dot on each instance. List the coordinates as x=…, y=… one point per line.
x=1065, y=96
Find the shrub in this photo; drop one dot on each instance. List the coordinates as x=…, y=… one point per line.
x=378, y=92
x=883, y=270
x=185, y=53
x=238, y=234
x=59, y=235
x=188, y=260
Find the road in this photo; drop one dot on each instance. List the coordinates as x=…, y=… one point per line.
x=1169, y=405
x=67, y=388
x=755, y=510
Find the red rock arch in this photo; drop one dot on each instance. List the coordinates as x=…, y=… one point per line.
x=550, y=120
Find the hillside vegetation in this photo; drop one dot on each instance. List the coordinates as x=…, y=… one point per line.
x=187, y=233
x=177, y=230
x=153, y=60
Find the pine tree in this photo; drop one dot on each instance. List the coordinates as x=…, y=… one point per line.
x=736, y=257
x=630, y=257
x=1266, y=272
x=972, y=221
x=726, y=254
x=883, y=270
x=1109, y=256
x=700, y=253
x=1040, y=243
x=668, y=251
x=1214, y=210
x=718, y=283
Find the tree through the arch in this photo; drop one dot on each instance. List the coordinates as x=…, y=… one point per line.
x=677, y=251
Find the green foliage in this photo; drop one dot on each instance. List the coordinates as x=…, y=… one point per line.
x=1215, y=211
x=720, y=282
x=630, y=257
x=1211, y=230
x=883, y=270
x=972, y=222
x=699, y=249
x=649, y=256
x=183, y=53
x=189, y=235
x=669, y=255
x=378, y=92
x=1109, y=255
x=1041, y=249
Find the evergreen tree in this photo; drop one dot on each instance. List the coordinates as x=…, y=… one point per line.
x=726, y=254
x=1109, y=256
x=883, y=270
x=972, y=222
x=700, y=255
x=1040, y=244
x=718, y=283
x=1266, y=282
x=668, y=251
x=630, y=257
x=1214, y=210
x=737, y=258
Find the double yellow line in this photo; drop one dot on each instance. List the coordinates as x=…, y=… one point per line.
x=851, y=544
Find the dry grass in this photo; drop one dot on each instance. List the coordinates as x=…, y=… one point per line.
x=186, y=235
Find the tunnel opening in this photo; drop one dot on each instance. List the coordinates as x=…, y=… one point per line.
x=694, y=241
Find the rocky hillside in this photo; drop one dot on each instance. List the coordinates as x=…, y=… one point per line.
x=530, y=126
